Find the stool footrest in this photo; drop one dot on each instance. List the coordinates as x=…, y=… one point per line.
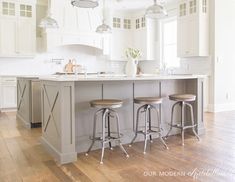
x=108, y=138
x=183, y=127
x=149, y=132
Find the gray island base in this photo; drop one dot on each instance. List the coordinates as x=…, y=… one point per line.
x=67, y=119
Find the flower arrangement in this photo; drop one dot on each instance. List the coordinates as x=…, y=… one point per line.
x=133, y=53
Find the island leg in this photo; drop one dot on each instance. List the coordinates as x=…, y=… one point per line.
x=58, y=120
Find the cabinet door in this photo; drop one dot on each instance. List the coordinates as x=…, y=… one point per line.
x=192, y=37
x=187, y=37
x=8, y=38
x=26, y=37
x=182, y=47
x=8, y=96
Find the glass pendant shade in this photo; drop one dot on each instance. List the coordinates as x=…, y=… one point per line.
x=48, y=22
x=103, y=28
x=155, y=11
x=85, y=3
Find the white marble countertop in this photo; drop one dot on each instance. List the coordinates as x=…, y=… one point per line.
x=63, y=78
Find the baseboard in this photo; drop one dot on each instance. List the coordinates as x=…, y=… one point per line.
x=59, y=158
x=25, y=123
x=8, y=110
x=221, y=107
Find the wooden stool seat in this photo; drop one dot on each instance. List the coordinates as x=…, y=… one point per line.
x=148, y=100
x=182, y=97
x=106, y=103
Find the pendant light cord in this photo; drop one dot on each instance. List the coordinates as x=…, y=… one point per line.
x=103, y=11
x=49, y=8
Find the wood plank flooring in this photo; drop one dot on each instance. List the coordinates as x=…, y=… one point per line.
x=22, y=158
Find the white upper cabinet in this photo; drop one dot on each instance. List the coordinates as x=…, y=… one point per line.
x=133, y=30
x=17, y=28
x=122, y=35
x=193, y=28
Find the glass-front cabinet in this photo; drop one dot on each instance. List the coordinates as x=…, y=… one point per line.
x=17, y=28
x=193, y=28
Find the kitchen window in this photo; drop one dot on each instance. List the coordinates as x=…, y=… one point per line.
x=169, y=43
x=116, y=22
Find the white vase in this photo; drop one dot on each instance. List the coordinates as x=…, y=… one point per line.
x=131, y=68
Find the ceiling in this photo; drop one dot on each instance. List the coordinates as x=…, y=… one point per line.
x=134, y=4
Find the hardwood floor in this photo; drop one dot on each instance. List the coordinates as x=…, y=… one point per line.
x=22, y=158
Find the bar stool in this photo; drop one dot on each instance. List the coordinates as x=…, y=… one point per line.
x=106, y=107
x=182, y=100
x=148, y=103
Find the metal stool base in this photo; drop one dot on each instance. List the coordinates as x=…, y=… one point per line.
x=106, y=137
x=182, y=126
x=148, y=132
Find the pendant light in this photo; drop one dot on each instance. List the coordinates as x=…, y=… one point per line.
x=156, y=11
x=48, y=21
x=85, y=3
x=103, y=28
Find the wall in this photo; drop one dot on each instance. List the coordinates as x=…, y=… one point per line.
x=89, y=57
x=223, y=54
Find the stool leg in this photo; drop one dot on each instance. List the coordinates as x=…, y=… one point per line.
x=137, y=125
x=182, y=121
x=94, y=130
x=160, y=128
x=172, y=119
x=103, y=135
x=118, y=131
x=146, y=130
x=150, y=125
x=109, y=133
x=192, y=119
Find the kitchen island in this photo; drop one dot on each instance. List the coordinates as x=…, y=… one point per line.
x=29, y=101
x=67, y=119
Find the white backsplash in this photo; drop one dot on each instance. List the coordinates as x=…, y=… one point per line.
x=92, y=59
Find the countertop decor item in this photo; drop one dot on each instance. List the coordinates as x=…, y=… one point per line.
x=69, y=67
x=131, y=66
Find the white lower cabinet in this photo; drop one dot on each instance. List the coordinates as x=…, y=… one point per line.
x=8, y=94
